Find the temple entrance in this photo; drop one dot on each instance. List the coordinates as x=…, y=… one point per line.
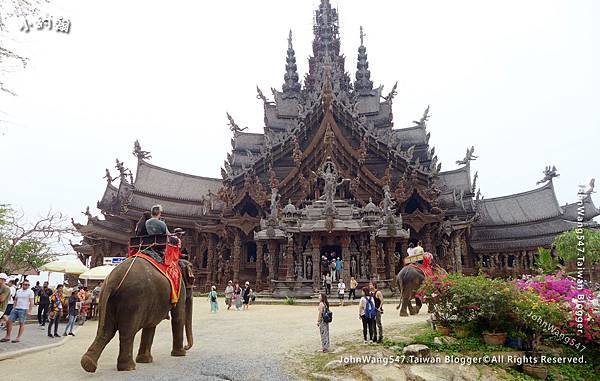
x=330, y=252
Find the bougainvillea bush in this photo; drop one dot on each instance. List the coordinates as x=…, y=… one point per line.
x=580, y=304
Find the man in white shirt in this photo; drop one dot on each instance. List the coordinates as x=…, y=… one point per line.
x=23, y=302
x=341, y=291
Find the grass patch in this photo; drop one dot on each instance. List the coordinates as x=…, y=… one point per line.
x=290, y=301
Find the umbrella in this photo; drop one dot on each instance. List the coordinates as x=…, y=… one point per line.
x=97, y=273
x=65, y=266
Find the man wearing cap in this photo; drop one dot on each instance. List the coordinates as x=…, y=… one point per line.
x=24, y=300
x=4, y=295
x=228, y=294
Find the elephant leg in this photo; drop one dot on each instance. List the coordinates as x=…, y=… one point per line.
x=125, y=359
x=405, y=304
x=89, y=361
x=418, y=305
x=189, y=303
x=177, y=325
x=144, y=353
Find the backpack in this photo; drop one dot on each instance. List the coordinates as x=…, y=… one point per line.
x=213, y=297
x=370, y=311
x=327, y=315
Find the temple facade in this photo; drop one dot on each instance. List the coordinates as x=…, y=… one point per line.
x=330, y=176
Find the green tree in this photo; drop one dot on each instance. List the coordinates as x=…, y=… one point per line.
x=545, y=262
x=579, y=243
x=26, y=244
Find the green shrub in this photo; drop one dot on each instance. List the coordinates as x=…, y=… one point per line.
x=290, y=301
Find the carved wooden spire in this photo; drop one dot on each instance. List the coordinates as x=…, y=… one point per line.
x=291, y=86
x=363, y=81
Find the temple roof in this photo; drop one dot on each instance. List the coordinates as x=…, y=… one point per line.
x=533, y=205
x=157, y=181
x=410, y=136
x=588, y=210
x=456, y=179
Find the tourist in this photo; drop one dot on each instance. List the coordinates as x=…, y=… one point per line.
x=353, y=285
x=341, y=291
x=23, y=302
x=237, y=297
x=56, y=310
x=4, y=295
x=212, y=297
x=44, y=295
x=154, y=225
x=323, y=325
x=419, y=249
x=339, y=265
x=378, y=297
x=328, y=283
x=35, y=290
x=11, y=298
x=140, y=227
x=73, y=300
x=334, y=275
x=367, y=313
x=411, y=249
x=246, y=294
x=229, y=294
x=324, y=267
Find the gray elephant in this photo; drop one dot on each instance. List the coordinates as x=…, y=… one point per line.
x=136, y=296
x=408, y=280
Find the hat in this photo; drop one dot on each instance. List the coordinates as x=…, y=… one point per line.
x=230, y=281
x=3, y=276
x=247, y=283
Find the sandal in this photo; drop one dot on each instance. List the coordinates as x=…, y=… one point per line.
x=4, y=340
x=16, y=341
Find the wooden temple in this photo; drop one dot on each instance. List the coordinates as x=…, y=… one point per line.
x=329, y=175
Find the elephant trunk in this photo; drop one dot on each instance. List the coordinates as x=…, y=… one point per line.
x=189, y=303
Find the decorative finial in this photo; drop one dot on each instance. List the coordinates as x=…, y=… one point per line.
x=549, y=174
x=139, y=153
x=233, y=126
x=362, y=35
x=363, y=83
x=291, y=85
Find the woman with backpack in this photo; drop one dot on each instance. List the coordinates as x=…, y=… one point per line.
x=323, y=319
x=367, y=313
x=212, y=297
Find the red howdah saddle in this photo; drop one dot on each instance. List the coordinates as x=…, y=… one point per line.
x=155, y=248
x=425, y=266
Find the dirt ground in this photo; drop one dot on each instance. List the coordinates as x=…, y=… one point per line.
x=229, y=345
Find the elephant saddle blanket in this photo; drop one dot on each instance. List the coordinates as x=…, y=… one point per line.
x=425, y=266
x=169, y=267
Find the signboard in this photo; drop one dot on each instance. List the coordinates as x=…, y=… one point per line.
x=113, y=260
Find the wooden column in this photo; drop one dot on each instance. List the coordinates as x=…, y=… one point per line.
x=373, y=249
x=237, y=252
x=427, y=239
x=260, y=257
x=289, y=260
x=457, y=251
x=210, y=261
x=391, y=247
x=315, y=241
x=345, y=275
x=272, y=255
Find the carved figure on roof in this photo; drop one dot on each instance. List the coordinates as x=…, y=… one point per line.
x=261, y=96
x=474, y=182
x=139, y=153
x=591, y=187
x=549, y=174
x=130, y=174
x=275, y=196
x=121, y=168
x=392, y=93
x=468, y=156
x=233, y=126
x=424, y=119
x=87, y=212
x=388, y=203
x=329, y=174
x=108, y=176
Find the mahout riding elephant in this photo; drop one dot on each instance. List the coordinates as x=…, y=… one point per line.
x=409, y=279
x=137, y=296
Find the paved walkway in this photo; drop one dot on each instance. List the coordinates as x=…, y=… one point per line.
x=33, y=337
x=229, y=345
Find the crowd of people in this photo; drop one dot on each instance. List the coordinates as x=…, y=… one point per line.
x=370, y=309
x=18, y=300
x=236, y=296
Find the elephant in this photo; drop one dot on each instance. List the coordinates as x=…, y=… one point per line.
x=408, y=280
x=136, y=296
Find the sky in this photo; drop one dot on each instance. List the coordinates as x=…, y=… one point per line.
x=518, y=80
